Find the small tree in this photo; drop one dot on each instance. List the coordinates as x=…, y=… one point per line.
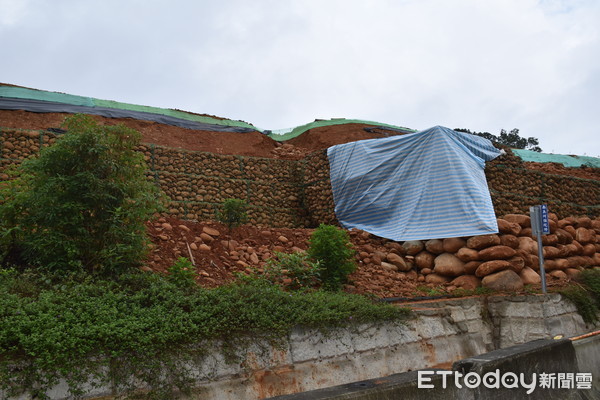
x=331, y=248
x=82, y=204
x=233, y=213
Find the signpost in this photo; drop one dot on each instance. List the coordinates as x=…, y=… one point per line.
x=540, y=225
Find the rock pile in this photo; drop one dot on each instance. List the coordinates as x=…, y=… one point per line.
x=504, y=261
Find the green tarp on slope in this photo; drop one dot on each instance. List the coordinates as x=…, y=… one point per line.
x=54, y=97
x=287, y=134
x=566, y=160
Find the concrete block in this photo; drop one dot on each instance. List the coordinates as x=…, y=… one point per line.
x=310, y=344
x=370, y=337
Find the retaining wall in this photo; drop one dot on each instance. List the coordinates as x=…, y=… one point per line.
x=441, y=333
x=289, y=193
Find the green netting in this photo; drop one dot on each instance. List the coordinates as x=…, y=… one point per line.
x=55, y=97
x=24, y=93
x=566, y=160
x=287, y=134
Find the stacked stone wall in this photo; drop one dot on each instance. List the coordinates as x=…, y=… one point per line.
x=297, y=193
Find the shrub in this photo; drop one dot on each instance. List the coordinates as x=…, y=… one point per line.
x=140, y=324
x=182, y=273
x=591, y=279
x=331, y=247
x=293, y=271
x=233, y=213
x=586, y=306
x=82, y=204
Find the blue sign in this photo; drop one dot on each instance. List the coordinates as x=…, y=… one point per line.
x=544, y=219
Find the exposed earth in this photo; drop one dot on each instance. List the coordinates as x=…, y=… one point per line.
x=219, y=254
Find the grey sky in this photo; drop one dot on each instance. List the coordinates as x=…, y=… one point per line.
x=482, y=65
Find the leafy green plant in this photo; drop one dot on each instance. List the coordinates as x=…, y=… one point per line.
x=82, y=204
x=583, y=300
x=182, y=273
x=233, y=213
x=293, y=271
x=591, y=279
x=586, y=295
x=139, y=324
x=330, y=246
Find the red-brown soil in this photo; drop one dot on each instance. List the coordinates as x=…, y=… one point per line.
x=246, y=144
x=327, y=136
x=218, y=257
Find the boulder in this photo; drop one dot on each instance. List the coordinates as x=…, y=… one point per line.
x=206, y=238
x=517, y=263
x=529, y=276
x=583, y=222
x=452, y=245
x=496, y=253
x=526, y=232
x=398, y=261
x=528, y=245
x=483, y=241
x=466, y=254
x=573, y=273
x=563, y=236
x=468, y=282
x=509, y=228
x=584, y=235
x=210, y=231
x=551, y=252
x=388, y=266
x=412, y=247
x=435, y=246
x=558, y=274
x=550, y=240
x=589, y=250
x=471, y=267
x=510, y=240
x=436, y=279
x=561, y=263
x=424, y=259
x=521, y=219
x=507, y=280
x=447, y=264
x=490, y=267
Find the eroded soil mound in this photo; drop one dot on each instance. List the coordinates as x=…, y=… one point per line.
x=245, y=144
x=219, y=254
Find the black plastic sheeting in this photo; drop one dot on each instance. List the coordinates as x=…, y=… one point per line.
x=40, y=106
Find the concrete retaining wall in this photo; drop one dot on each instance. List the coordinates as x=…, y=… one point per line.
x=525, y=362
x=441, y=333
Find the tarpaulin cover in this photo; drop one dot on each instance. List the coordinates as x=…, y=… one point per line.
x=41, y=101
x=566, y=160
x=425, y=185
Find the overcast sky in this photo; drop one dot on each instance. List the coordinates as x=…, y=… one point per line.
x=478, y=64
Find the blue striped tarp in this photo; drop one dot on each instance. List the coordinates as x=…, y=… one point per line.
x=424, y=185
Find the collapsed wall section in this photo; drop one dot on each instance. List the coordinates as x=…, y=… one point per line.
x=297, y=193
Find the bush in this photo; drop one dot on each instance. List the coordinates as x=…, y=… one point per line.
x=292, y=271
x=82, y=204
x=139, y=323
x=331, y=248
x=233, y=213
x=586, y=296
x=182, y=273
